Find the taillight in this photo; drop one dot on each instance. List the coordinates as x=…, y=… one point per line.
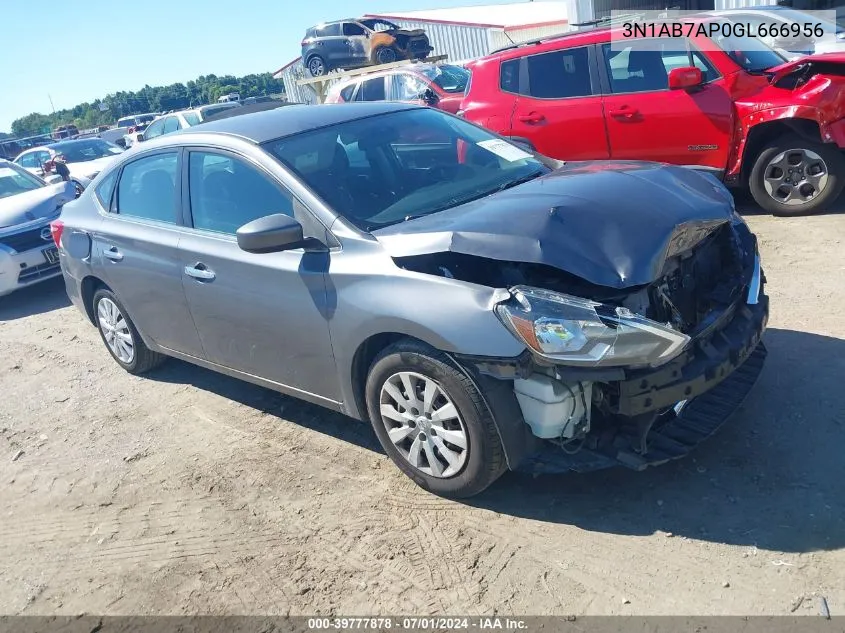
x=56, y=228
x=303, y=42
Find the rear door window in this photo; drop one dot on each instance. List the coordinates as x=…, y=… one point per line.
x=147, y=188
x=558, y=75
x=328, y=30
x=373, y=89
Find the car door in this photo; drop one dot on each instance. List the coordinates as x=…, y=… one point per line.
x=262, y=314
x=559, y=108
x=357, y=43
x=136, y=247
x=332, y=45
x=648, y=121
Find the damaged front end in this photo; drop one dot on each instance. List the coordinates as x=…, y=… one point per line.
x=632, y=376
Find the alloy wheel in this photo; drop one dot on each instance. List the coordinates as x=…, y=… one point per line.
x=115, y=330
x=423, y=424
x=795, y=177
x=316, y=67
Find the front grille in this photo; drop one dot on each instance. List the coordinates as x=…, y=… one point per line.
x=31, y=273
x=25, y=241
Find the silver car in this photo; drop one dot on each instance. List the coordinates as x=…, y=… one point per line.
x=483, y=307
x=28, y=254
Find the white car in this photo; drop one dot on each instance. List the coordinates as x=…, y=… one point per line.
x=833, y=40
x=183, y=119
x=85, y=158
x=28, y=254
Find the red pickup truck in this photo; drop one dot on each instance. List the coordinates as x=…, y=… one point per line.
x=737, y=108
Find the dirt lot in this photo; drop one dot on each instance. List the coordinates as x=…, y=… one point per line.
x=188, y=492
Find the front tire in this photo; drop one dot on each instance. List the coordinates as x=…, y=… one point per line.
x=385, y=55
x=432, y=421
x=121, y=336
x=793, y=176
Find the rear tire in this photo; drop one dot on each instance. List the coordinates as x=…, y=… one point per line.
x=465, y=446
x=771, y=180
x=316, y=66
x=121, y=336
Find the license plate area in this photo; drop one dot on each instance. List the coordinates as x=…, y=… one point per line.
x=51, y=255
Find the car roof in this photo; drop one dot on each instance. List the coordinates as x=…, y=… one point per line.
x=260, y=127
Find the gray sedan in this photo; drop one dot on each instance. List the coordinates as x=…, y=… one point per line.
x=483, y=307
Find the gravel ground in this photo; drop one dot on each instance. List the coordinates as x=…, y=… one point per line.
x=187, y=492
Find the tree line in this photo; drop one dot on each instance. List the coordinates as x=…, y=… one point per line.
x=106, y=111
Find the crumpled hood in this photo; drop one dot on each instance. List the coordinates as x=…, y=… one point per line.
x=822, y=58
x=611, y=223
x=32, y=205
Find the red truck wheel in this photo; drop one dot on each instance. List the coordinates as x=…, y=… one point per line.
x=794, y=176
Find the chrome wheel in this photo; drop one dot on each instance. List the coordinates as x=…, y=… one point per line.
x=423, y=424
x=795, y=177
x=115, y=330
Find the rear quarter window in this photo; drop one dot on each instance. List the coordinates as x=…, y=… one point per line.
x=105, y=189
x=347, y=92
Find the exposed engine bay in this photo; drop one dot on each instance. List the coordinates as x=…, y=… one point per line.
x=600, y=412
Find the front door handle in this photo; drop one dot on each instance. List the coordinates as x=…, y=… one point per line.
x=200, y=271
x=113, y=254
x=624, y=113
x=532, y=117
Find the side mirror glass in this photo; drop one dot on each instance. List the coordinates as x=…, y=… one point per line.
x=686, y=77
x=270, y=234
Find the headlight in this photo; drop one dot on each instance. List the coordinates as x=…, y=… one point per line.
x=575, y=331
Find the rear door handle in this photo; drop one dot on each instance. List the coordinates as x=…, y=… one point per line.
x=113, y=254
x=200, y=271
x=624, y=113
x=532, y=117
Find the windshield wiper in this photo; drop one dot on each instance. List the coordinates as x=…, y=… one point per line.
x=520, y=181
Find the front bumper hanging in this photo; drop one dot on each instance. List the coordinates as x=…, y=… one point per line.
x=712, y=381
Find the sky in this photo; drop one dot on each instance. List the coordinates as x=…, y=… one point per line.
x=108, y=46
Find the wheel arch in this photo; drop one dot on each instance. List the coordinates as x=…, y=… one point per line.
x=762, y=134
x=89, y=286
x=498, y=395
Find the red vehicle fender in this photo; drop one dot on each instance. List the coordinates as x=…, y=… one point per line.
x=819, y=100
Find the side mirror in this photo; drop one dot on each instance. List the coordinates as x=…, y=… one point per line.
x=429, y=97
x=270, y=234
x=686, y=77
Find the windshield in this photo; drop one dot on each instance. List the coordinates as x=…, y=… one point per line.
x=82, y=151
x=390, y=168
x=452, y=79
x=14, y=180
x=126, y=122
x=748, y=52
